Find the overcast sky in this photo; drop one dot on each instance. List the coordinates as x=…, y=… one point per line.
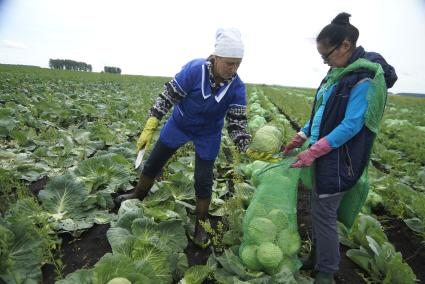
x=157, y=37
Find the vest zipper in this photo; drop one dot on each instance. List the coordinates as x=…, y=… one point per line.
x=339, y=177
x=350, y=164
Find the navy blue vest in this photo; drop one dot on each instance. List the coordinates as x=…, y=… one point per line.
x=340, y=169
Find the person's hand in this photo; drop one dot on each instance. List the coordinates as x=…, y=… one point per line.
x=256, y=155
x=145, y=137
x=296, y=142
x=307, y=157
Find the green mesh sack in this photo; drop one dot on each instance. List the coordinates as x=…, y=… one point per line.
x=306, y=176
x=353, y=201
x=270, y=232
x=377, y=93
x=306, y=173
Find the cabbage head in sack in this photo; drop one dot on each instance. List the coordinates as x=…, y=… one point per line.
x=268, y=139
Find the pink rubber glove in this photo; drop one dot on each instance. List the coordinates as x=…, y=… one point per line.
x=296, y=142
x=307, y=157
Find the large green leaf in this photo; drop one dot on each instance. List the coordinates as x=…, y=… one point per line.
x=129, y=210
x=360, y=257
x=118, y=265
x=63, y=197
x=196, y=274
x=22, y=252
x=106, y=171
x=121, y=240
x=7, y=122
x=156, y=256
x=82, y=276
x=232, y=264
x=172, y=233
x=180, y=186
x=415, y=224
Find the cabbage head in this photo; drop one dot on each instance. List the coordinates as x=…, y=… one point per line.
x=249, y=258
x=119, y=280
x=254, y=167
x=279, y=218
x=261, y=230
x=289, y=241
x=269, y=255
x=256, y=122
x=267, y=139
x=245, y=192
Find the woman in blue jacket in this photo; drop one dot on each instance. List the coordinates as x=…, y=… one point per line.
x=202, y=95
x=345, y=118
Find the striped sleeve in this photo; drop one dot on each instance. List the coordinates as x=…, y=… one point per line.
x=171, y=95
x=237, y=126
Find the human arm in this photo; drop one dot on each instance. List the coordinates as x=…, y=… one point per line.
x=174, y=92
x=237, y=126
x=296, y=142
x=164, y=102
x=171, y=95
x=351, y=124
x=354, y=116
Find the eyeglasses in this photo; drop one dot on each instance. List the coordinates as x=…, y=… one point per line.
x=326, y=56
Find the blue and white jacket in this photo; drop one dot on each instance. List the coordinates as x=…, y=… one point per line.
x=200, y=106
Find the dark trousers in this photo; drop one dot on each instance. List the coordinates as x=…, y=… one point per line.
x=325, y=231
x=203, y=168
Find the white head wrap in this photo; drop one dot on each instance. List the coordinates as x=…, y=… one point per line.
x=228, y=43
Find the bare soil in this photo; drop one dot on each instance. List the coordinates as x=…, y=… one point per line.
x=86, y=250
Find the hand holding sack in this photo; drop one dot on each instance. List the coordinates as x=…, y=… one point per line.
x=307, y=157
x=296, y=142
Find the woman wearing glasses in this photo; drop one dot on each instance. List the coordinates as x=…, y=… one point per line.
x=345, y=118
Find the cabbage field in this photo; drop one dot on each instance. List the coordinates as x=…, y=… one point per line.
x=67, y=148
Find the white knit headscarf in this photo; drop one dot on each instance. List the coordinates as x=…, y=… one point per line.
x=228, y=43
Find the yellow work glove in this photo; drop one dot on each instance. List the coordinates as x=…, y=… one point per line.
x=146, y=136
x=256, y=155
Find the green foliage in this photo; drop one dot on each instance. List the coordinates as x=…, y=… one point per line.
x=216, y=234
x=69, y=205
x=53, y=120
x=383, y=263
x=26, y=242
x=110, y=172
x=232, y=220
x=196, y=274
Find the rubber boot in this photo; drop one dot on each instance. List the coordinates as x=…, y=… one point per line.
x=143, y=186
x=309, y=261
x=201, y=237
x=324, y=278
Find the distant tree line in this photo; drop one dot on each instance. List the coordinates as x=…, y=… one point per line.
x=67, y=64
x=109, y=69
